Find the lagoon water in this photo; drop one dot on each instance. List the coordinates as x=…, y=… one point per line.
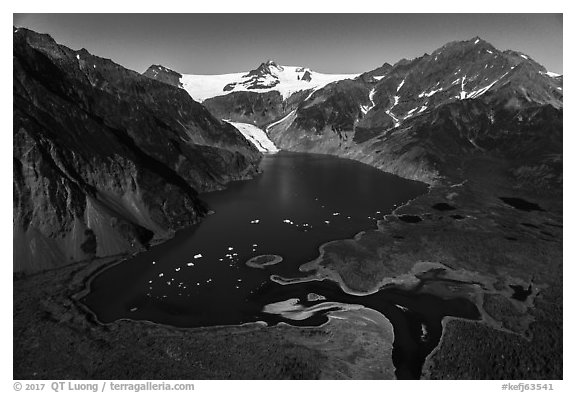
x=299, y=202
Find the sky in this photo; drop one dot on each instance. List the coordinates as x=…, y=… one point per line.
x=329, y=43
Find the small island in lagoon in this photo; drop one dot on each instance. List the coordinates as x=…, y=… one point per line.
x=261, y=261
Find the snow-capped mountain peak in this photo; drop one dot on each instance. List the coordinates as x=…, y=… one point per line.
x=268, y=76
x=268, y=68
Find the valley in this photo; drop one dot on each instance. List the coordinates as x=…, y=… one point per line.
x=453, y=270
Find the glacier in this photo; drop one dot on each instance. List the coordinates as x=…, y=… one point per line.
x=256, y=136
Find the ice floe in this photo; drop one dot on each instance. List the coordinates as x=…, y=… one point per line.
x=292, y=309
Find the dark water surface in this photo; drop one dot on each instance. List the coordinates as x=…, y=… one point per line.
x=301, y=201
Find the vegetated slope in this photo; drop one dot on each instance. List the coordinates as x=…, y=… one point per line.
x=105, y=159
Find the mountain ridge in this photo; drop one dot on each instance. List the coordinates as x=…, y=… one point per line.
x=267, y=77
x=105, y=162
x=353, y=117
x=105, y=159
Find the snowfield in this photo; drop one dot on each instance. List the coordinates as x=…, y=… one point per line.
x=202, y=87
x=256, y=136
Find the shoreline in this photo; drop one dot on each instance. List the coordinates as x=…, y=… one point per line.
x=334, y=276
x=91, y=275
x=274, y=260
x=87, y=271
x=406, y=281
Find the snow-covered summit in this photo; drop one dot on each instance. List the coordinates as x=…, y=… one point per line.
x=269, y=76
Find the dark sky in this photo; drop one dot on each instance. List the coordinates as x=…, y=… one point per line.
x=331, y=43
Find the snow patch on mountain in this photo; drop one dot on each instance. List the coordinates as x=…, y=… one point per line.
x=279, y=121
x=429, y=93
x=463, y=92
x=310, y=95
x=366, y=108
x=409, y=114
x=256, y=136
x=392, y=115
x=551, y=74
x=479, y=92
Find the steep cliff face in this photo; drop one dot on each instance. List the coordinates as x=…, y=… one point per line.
x=163, y=74
x=105, y=159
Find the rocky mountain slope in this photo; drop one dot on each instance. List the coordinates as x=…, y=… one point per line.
x=105, y=159
x=418, y=118
x=258, y=96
